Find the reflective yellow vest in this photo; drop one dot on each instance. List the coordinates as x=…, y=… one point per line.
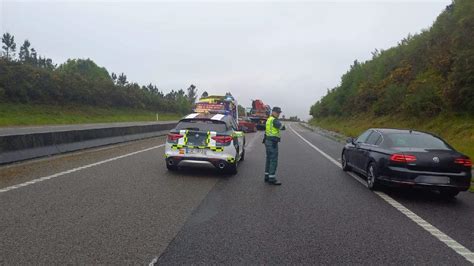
x=270, y=130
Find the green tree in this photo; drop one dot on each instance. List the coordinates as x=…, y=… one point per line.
x=34, y=56
x=25, y=52
x=85, y=68
x=113, y=76
x=192, y=94
x=9, y=45
x=122, y=80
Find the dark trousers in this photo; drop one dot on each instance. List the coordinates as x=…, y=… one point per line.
x=272, y=158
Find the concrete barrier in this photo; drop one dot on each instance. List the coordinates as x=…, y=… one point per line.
x=23, y=146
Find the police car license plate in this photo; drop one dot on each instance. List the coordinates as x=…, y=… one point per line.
x=195, y=151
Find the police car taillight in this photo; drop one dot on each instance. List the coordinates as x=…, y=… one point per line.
x=172, y=137
x=222, y=139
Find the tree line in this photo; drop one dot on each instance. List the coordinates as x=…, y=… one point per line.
x=423, y=76
x=27, y=77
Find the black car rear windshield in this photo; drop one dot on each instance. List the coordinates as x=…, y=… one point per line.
x=415, y=140
x=202, y=125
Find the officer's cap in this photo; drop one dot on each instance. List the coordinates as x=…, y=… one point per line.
x=276, y=109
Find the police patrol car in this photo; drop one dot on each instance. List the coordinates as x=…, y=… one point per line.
x=205, y=139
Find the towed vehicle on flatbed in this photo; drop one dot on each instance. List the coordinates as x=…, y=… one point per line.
x=205, y=139
x=246, y=125
x=259, y=114
x=408, y=158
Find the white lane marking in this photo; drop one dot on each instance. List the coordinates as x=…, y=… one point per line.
x=44, y=178
x=453, y=244
x=154, y=261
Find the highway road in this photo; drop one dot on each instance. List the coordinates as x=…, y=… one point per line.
x=119, y=205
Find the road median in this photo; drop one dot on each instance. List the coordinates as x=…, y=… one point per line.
x=18, y=144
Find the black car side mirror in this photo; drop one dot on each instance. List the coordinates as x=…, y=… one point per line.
x=350, y=140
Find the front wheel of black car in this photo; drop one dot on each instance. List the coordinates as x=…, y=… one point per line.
x=449, y=193
x=345, y=166
x=372, y=182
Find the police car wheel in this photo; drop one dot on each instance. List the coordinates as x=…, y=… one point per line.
x=232, y=168
x=171, y=167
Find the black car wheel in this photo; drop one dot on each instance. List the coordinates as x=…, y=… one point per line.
x=372, y=182
x=345, y=167
x=449, y=193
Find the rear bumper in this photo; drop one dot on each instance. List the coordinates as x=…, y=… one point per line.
x=219, y=163
x=405, y=177
x=218, y=159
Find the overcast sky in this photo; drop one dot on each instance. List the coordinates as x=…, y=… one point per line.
x=286, y=53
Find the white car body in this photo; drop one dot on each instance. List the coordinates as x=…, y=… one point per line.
x=223, y=149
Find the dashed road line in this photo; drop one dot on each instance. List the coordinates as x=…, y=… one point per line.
x=44, y=178
x=438, y=234
x=154, y=261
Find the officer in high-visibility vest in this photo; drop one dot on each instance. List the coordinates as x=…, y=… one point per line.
x=271, y=139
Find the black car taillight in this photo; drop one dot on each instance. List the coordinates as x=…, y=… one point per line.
x=463, y=161
x=402, y=158
x=173, y=137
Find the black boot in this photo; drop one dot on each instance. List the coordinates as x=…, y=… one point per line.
x=274, y=182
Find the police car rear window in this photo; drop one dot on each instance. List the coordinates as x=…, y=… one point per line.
x=202, y=125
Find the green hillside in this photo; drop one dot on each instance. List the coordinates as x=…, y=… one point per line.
x=37, y=114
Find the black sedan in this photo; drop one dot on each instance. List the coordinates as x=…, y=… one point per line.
x=406, y=157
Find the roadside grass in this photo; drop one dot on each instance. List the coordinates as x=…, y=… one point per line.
x=26, y=114
x=457, y=130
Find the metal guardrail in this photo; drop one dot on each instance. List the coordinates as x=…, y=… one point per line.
x=16, y=147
